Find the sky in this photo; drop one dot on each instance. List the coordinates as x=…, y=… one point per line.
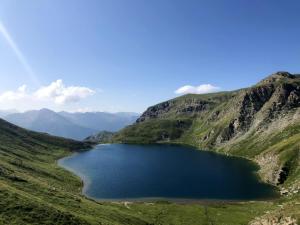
x=125, y=55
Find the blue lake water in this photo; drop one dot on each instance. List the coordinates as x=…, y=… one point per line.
x=120, y=171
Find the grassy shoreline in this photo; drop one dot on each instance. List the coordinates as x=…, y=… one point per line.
x=85, y=182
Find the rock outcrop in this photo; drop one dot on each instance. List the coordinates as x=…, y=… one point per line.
x=101, y=137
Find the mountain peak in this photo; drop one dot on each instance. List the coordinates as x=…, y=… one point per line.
x=45, y=110
x=278, y=76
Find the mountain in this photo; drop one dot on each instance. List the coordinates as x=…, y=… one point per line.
x=101, y=137
x=261, y=123
x=47, y=121
x=71, y=125
x=4, y=113
x=101, y=120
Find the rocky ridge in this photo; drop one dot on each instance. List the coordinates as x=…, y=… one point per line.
x=261, y=123
x=228, y=121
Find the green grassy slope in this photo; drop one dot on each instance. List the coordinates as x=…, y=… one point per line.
x=261, y=123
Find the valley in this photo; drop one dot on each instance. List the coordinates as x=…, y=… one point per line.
x=35, y=190
x=260, y=123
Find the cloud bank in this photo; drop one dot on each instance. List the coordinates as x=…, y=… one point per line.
x=19, y=94
x=56, y=93
x=201, y=89
x=60, y=94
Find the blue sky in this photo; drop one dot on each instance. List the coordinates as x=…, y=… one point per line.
x=124, y=55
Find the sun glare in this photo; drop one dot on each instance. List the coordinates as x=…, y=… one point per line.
x=18, y=54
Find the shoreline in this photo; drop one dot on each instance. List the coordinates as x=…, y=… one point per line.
x=86, y=182
x=183, y=201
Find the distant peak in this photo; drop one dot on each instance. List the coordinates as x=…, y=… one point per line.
x=46, y=110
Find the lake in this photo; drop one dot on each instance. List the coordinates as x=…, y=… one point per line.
x=132, y=172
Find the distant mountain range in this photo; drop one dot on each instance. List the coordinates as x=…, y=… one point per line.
x=7, y=112
x=70, y=125
x=102, y=120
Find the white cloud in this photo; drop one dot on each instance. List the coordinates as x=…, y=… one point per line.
x=201, y=89
x=55, y=93
x=84, y=110
x=19, y=94
x=61, y=94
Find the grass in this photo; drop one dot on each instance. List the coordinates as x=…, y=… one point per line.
x=154, y=131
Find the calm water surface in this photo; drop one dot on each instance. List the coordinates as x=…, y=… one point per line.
x=119, y=171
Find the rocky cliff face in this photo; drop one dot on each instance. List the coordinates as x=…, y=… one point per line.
x=101, y=137
x=260, y=105
x=274, y=96
x=188, y=107
x=280, y=76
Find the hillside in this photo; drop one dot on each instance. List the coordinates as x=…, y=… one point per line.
x=34, y=190
x=261, y=123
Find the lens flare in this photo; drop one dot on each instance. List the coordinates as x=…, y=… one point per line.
x=18, y=54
